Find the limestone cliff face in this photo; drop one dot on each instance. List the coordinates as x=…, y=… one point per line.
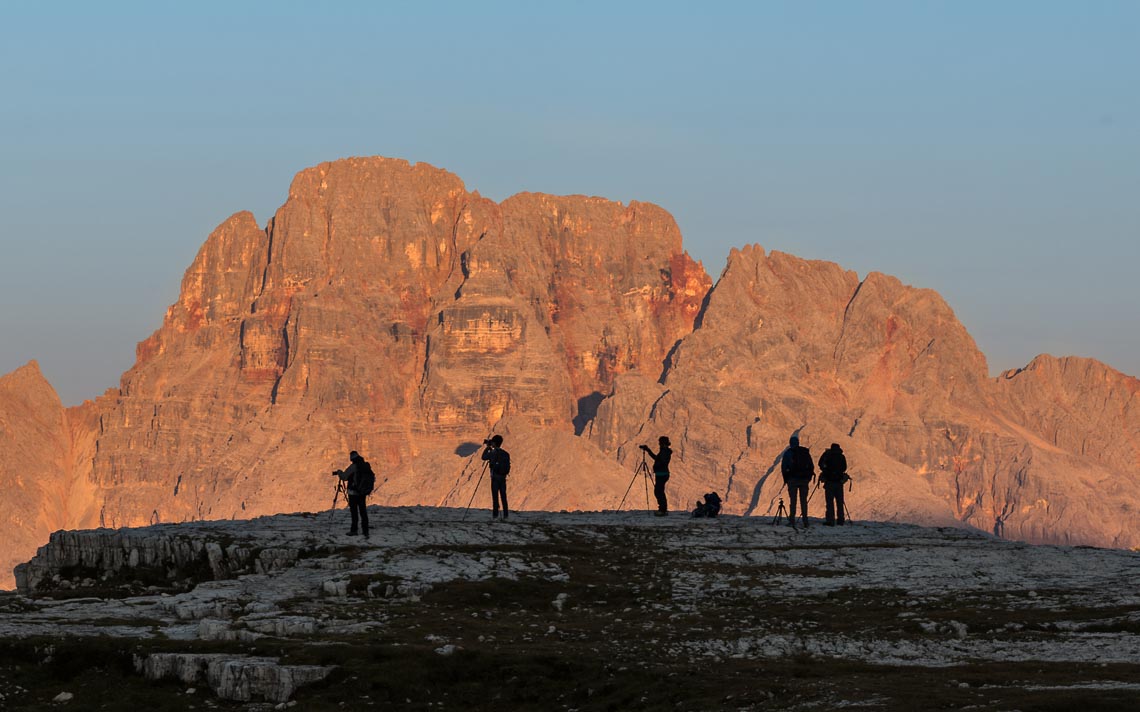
x=384, y=308
x=388, y=309
x=789, y=345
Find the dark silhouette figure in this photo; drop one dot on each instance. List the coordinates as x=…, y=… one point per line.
x=660, y=473
x=499, y=463
x=708, y=508
x=798, y=470
x=359, y=480
x=999, y=527
x=833, y=475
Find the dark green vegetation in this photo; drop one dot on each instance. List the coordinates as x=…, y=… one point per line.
x=641, y=627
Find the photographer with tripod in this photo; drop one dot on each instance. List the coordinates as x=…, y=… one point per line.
x=499, y=463
x=660, y=473
x=833, y=475
x=358, y=481
x=798, y=470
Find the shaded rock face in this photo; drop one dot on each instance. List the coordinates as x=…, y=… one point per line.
x=386, y=308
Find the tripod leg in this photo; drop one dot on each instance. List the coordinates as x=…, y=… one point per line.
x=648, y=511
x=476, y=491
x=627, y=489
x=332, y=512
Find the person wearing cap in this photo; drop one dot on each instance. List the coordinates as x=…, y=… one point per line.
x=499, y=463
x=660, y=473
x=798, y=470
x=833, y=475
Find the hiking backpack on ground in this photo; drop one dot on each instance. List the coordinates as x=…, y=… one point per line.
x=709, y=508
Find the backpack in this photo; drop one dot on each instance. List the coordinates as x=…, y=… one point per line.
x=799, y=465
x=833, y=467
x=709, y=508
x=365, y=478
x=501, y=464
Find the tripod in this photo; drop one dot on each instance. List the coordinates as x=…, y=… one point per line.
x=476, y=490
x=341, y=488
x=781, y=512
x=642, y=469
x=847, y=512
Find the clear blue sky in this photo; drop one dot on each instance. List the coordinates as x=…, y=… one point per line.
x=990, y=151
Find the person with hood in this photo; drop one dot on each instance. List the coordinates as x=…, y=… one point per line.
x=660, y=473
x=798, y=470
x=833, y=475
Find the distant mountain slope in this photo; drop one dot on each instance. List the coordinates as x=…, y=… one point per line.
x=387, y=308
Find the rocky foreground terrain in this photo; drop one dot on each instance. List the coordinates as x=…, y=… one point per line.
x=567, y=611
x=389, y=309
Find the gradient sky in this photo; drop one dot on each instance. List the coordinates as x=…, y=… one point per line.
x=989, y=151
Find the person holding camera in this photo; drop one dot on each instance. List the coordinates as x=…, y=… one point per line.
x=833, y=475
x=359, y=481
x=798, y=470
x=660, y=473
x=499, y=463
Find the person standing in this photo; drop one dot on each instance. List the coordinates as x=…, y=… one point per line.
x=660, y=473
x=359, y=482
x=798, y=470
x=833, y=475
x=499, y=463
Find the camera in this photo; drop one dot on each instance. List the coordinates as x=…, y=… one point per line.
x=338, y=473
x=488, y=442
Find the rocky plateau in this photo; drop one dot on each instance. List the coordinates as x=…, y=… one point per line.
x=442, y=609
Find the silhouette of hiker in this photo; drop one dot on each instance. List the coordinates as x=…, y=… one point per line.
x=360, y=480
x=999, y=527
x=660, y=473
x=798, y=470
x=833, y=475
x=499, y=463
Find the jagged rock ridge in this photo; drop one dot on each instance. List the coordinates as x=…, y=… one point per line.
x=387, y=308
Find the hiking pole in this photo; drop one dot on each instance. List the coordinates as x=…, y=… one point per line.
x=476, y=491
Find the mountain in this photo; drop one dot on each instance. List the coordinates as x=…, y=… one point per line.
x=386, y=308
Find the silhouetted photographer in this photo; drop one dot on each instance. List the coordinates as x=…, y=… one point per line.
x=359, y=480
x=660, y=473
x=833, y=475
x=798, y=470
x=499, y=463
